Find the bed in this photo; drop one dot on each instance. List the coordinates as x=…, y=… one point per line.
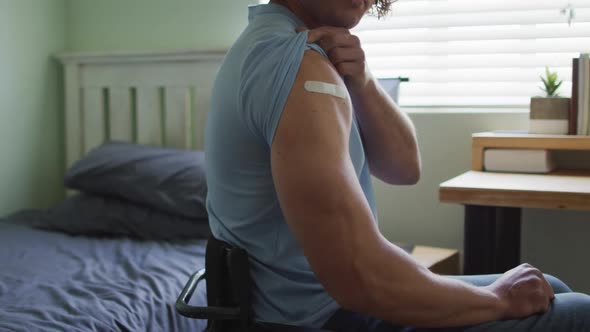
x=116, y=252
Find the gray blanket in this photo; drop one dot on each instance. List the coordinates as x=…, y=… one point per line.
x=50, y=281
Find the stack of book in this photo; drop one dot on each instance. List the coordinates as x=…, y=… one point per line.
x=519, y=152
x=518, y=160
x=580, y=105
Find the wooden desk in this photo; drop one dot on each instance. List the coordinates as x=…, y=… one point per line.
x=493, y=201
x=558, y=190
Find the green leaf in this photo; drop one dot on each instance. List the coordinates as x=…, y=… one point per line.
x=550, y=82
x=544, y=90
x=557, y=87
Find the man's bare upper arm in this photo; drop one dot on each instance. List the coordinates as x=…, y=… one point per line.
x=318, y=189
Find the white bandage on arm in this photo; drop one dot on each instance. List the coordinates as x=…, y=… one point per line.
x=326, y=88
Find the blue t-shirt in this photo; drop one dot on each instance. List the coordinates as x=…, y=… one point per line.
x=248, y=99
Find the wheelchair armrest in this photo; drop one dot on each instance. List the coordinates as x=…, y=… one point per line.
x=187, y=310
x=221, y=313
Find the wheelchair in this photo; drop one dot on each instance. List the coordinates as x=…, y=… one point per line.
x=228, y=287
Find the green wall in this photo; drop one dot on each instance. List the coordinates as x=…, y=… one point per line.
x=117, y=25
x=31, y=139
x=30, y=99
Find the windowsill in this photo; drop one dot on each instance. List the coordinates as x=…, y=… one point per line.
x=464, y=110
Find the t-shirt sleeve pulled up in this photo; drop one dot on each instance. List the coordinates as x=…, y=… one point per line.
x=268, y=75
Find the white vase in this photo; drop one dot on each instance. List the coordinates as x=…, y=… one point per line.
x=549, y=115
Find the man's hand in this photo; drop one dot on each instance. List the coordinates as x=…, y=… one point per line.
x=345, y=52
x=389, y=136
x=524, y=291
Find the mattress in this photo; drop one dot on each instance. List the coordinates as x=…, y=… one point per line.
x=50, y=281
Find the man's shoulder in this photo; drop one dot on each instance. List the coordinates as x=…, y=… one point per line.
x=315, y=65
x=272, y=61
x=268, y=50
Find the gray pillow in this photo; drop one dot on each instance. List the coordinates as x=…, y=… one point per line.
x=164, y=179
x=94, y=215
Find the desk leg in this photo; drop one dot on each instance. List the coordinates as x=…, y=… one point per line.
x=492, y=239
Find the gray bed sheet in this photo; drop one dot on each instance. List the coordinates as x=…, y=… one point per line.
x=50, y=281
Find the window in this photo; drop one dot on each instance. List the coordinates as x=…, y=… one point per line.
x=485, y=53
x=476, y=53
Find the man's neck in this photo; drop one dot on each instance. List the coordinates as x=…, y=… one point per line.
x=295, y=7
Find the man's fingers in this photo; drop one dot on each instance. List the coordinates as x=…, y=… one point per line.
x=317, y=34
x=320, y=33
x=300, y=29
x=338, y=55
x=549, y=289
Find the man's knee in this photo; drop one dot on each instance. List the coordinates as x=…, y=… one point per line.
x=579, y=301
x=576, y=308
x=558, y=285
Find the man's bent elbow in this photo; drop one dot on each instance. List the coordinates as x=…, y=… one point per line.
x=354, y=296
x=369, y=293
x=357, y=293
x=412, y=171
x=412, y=175
x=407, y=175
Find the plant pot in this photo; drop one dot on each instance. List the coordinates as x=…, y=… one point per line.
x=549, y=115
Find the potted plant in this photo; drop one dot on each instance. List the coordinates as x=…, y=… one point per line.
x=549, y=114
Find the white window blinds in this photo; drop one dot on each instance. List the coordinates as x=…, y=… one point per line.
x=476, y=52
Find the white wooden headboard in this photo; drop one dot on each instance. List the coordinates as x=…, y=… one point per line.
x=156, y=98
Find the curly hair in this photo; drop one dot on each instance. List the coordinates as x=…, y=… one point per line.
x=382, y=7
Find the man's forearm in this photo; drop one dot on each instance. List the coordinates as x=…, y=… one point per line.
x=404, y=292
x=448, y=303
x=389, y=136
